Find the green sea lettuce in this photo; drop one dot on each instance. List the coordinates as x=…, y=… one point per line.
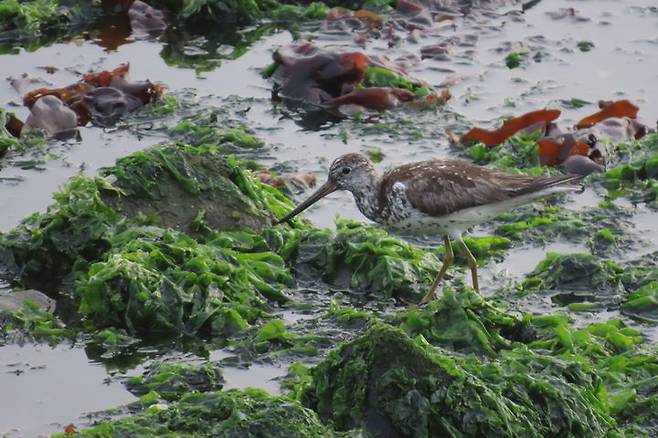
x=42, y=249
x=173, y=380
x=154, y=280
x=393, y=386
x=7, y=141
x=244, y=11
x=34, y=322
x=462, y=320
x=633, y=171
x=382, y=77
x=370, y=259
x=246, y=413
x=174, y=185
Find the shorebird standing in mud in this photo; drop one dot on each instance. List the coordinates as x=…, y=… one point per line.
x=444, y=197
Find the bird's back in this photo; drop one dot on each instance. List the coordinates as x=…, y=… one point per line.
x=442, y=187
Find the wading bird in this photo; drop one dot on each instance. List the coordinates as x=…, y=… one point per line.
x=444, y=197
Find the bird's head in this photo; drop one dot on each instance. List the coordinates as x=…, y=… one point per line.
x=350, y=172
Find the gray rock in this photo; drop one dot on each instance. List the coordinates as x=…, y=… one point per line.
x=14, y=300
x=581, y=165
x=50, y=114
x=146, y=21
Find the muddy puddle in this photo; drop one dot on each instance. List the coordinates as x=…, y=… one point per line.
x=43, y=388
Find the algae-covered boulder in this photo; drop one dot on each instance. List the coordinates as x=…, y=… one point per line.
x=392, y=386
x=176, y=183
x=247, y=413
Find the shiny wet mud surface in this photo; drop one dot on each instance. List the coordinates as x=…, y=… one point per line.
x=45, y=388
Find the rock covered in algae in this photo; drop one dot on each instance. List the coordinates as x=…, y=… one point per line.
x=30, y=321
x=247, y=413
x=392, y=386
x=41, y=250
x=176, y=182
x=174, y=185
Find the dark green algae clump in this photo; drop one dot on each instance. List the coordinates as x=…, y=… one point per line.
x=369, y=259
x=139, y=190
x=585, y=282
x=637, y=177
x=172, y=381
x=104, y=244
x=466, y=367
x=247, y=413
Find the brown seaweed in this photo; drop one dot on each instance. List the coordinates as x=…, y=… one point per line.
x=539, y=119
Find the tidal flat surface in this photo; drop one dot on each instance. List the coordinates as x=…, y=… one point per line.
x=42, y=388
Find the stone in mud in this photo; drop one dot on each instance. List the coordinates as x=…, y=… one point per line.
x=50, y=114
x=14, y=300
x=176, y=183
x=145, y=20
x=581, y=165
x=226, y=414
x=386, y=383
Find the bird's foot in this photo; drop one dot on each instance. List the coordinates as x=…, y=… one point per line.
x=433, y=294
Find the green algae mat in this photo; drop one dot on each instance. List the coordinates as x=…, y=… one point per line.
x=159, y=261
x=465, y=365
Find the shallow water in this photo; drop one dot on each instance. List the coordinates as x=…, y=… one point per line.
x=44, y=388
x=622, y=64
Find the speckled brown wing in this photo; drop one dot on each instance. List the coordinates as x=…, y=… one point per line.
x=440, y=187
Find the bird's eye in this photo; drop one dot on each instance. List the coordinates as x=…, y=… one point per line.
x=346, y=170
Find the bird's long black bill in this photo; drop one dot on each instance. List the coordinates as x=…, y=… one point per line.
x=320, y=193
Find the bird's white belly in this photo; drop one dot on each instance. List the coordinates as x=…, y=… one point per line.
x=454, y=224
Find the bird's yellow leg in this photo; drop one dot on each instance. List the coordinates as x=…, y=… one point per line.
x=447, y=261
x=472, y=264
